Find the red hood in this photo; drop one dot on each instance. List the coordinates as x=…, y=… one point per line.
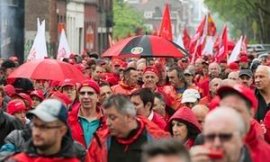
x=185, y=115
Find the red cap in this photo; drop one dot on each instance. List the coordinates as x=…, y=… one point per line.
x=62, y=97
x=233, y=66
x=68, y=82
x=10, y=90
x=151, y=70
x=37, y=93
x=243, y=59
x=90, y=83
x=15, y=106
x=110, y=78
x=241, y=90
x=25, y=97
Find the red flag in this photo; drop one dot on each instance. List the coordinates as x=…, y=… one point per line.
x=197, y=36
x=186, y=38
x=211, y=26
x=223, y=46
x=165, y=30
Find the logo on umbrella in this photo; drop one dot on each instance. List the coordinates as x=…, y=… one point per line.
x=136, y=50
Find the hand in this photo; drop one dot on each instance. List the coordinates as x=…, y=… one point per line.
x=263, y=127
x=199, y=154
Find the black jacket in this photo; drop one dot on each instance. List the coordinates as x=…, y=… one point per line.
x=7, y=124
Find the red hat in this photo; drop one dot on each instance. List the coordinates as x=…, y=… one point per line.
x=68, y=82
x=15, y=106
x=110, y=78
x=243, y=58
x=10, y=90
x=233, y=66
x=241, y=90
x=26, y=98
x=37, y=93
x=150, y=69
x=62, y=97
x=90, y=83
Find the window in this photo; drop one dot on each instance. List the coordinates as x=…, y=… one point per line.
x=148, y=14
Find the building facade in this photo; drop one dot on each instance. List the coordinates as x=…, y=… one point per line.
x=184, y=13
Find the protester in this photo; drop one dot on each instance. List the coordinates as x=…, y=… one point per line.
x=96, y=73
x=177, y=80
x=184, y=126
x=213, y=86
x=223, y=133
x=17, y=109
x=200, y=111
x=86, y=119
x=68, y=87
x=262, y=83
x=143, y=100
x=37, y=97
x=105, y=92
x=190, y=97
x=127, y=133
x=165, y=151
x=51, y=140
x=159, y=105
x=234, y=75
x=129, y=82
x=243, y=100
x=150, y=78
x=246, y=77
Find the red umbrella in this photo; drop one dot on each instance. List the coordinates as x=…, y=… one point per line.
x=47, y=69
x=145, y=46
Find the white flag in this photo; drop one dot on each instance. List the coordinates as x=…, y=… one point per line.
x=236, y=51
x=209, y=46
x=63, y=48
x=179, y=41
x=39, y=47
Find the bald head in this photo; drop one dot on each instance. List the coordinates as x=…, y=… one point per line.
x=234, y=75
x=214, y=70
x=200, y=111
x=228, y=82
x=228, y=116
x=214, y=85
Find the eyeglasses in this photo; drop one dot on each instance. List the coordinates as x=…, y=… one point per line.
x=44, y=127
x=224, y=137
x=89, y=93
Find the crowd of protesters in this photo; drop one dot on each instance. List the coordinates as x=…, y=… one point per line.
x=139, y=109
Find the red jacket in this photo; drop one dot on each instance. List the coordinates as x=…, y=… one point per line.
x=159, y=120
x=185, y=115
x=76, y=128
x=122, y=88
x=258, y=147
x=98, y=150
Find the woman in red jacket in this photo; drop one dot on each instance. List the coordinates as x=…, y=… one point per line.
x=184, y=126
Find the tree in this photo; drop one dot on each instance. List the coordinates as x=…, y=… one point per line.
x=126, y=20
x=251, y=17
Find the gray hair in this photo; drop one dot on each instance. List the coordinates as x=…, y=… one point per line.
x=265, y=68
x=120, y=103
x=224, y=112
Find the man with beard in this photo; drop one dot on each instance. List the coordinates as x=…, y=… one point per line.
x=51, y=140
x=86, y=119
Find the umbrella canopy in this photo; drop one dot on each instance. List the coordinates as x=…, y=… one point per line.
x=145, y=46
x=47, y=69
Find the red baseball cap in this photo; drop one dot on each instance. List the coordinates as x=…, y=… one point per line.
x=243, y=59
x=15, y=106
x=37, y=93
x=241, y=90
x=62, y=97
x=68, y=82
x=10, y=90
x=26, y=98
x=90, y=83
x=233, y=66
x=151, y=69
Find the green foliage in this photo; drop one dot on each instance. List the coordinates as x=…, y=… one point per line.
x=126, y=19
x=250, y=17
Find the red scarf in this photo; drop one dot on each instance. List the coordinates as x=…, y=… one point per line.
x=135, y=135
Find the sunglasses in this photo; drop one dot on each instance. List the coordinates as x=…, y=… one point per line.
x=223, y=137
